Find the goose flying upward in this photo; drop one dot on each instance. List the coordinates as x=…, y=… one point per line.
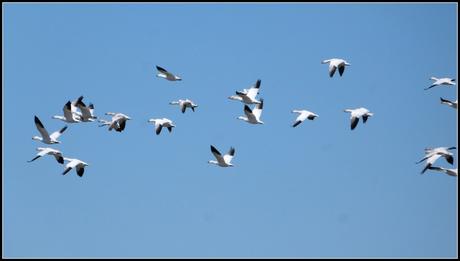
x=253, y=116
x=222, y=161
x=46, y=138
x=44, y=151
x=77, y=164
x=248, y=96
x=303, y=115
x=335, y=64
x=163, y=73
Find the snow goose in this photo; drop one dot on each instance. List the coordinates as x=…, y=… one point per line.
x=167, y=75
x=118, y=121
x=183, y=104
x=442, y=81
x=223, y=161
x=87, y=112
x=160, y=123
x=335, y=63
x=450, y=172
x=46, y=138
x=449, y=103
x=441, y=151
x=248, y=96
x=77, y=164
x=253, y=116
x=356, y=114
x=70, y=114
x=44, y=151
x=303, y=115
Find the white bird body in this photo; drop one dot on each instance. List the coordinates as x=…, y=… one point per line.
x=253, y=116
x=303, y=115
x=441, y=81
x=248, y=96
x=49, y=151
x=46, y=138
x=77, y=164
x=450, y=172
x=452, y=104
x=184, y=104
x=118, y=121
x=160, y=123
x=335, y=64
x=167, y=75
x=222, y=161
x=356, y=114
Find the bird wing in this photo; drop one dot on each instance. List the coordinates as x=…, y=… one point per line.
x=354, y=122
x=254, y=90
x=249, y=113
x=41, y=129
x=162, y=70
x=229, y=156
x=332, y=69
x=341, y=69
x=158, y=127
x=217, y=155
x=80, y=170
x=58, y=133
x=257, y=111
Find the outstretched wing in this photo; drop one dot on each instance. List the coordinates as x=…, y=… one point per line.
x=217, y=155
x=229, y=156
x=41, y=129
x=254, y=90
x=332, y=69
x=354, y=122
x=257, y=111
x=58, y=133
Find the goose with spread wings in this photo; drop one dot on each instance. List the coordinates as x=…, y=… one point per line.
x=452, y=104
x=355, y=114
x=450, y=172
x=163, y=73
x=46, y=138
x=222, y=161
x=433, y=154
x=77, y=164
x=49, y=151
x=248, y=96
x=160, y=123
x=184, y=104
x=303, y=115
x=441, y=81
x=118, y=121
x=335, y=64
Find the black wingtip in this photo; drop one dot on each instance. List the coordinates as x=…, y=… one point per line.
x=38, y=122
x=60, y=160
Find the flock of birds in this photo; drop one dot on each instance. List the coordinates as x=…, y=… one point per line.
x=77, y=111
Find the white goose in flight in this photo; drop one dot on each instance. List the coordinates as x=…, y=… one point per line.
x=450, y=172
x=44, y=151
x=118, y=121
x=77, y=164
x=356, y=114
x=163, y=73
x=184, y=104
x=70, y=114
x=248, y=96
x=441, y=81
x=253, y=116
x=160, y=123
x=87, y=112
x=439, y=151
x=452, y=104
x=46, y=138
x=335, y=63
x=303, y=115
x=223, y=161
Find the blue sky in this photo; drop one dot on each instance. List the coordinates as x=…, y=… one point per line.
x=317, y=190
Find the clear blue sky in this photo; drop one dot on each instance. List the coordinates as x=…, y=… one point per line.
x=318, y=190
